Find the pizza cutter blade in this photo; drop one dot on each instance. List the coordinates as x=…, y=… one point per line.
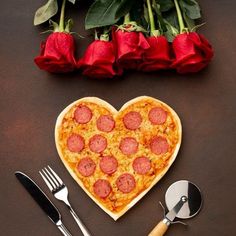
x=183, y=200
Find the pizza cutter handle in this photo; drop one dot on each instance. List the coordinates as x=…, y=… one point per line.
x=160, y=228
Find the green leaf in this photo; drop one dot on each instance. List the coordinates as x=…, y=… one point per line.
x=190, y=23
x=45, y=12
x=191, y=8
x=54, y=25
x=171, y=31
x=145, y=14
x=190, y=2
x=172, y=18
x=102, y=13
x=137, y=14
x=124, y=8
x=69, y=25
x=72, y=1
x=165, y=5
x=161, y=23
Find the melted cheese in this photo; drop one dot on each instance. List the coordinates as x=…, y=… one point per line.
x=117, y=200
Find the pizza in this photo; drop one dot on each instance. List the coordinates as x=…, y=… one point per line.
x=117, y=156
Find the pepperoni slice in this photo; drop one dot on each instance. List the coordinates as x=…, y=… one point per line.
x=83, y=114
x=108, y=164
x=132, y=120
x=102, y=188
x=141, y=165
x=86, y=166
x=159, y=145
x=157, y=116
x=126, y=183
x=128, y=146
x=105, y=123
x=97, y=143
x=75, y=143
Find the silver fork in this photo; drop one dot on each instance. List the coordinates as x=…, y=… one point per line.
x=60, y=191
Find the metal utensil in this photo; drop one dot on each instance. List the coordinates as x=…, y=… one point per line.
x=183, y=200
x=60, y=192
x=43, y=201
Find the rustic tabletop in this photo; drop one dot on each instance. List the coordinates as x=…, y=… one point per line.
x=31, y=100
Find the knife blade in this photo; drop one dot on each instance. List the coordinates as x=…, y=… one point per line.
x=43, y=201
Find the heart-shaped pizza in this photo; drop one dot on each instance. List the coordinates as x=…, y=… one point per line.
x=117, y=156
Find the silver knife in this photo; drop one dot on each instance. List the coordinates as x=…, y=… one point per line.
x=40, y=197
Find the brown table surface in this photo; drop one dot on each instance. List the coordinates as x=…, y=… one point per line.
x=31, y=100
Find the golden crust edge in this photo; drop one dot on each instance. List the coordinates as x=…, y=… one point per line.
x=107, y=105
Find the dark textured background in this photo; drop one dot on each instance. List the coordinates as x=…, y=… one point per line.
x=31, y=100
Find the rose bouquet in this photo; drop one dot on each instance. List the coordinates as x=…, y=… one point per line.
x=144, y=35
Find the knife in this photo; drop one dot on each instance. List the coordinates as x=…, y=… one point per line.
x=40, y=197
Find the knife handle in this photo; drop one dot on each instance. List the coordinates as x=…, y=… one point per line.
x=159, y=229
x=64, y=230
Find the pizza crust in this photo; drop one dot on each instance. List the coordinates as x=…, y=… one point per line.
x=109, y=107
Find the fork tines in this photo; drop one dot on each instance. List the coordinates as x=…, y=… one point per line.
x=52, y=180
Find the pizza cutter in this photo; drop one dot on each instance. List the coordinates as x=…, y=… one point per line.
x=183, y=200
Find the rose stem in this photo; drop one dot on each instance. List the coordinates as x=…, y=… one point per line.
x=127, y=18
x=151, y=18
x=180, y=18
x=62, y=16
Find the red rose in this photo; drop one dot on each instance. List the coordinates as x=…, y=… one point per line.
x=192, y=52
x=99, y=60
x=157, y=56
x=57, y=53
x=130, y=47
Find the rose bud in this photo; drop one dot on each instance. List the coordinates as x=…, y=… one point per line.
x=130, y=47
x=192, y=52
x=99, y=60
x=157, y=57
x=57, y=53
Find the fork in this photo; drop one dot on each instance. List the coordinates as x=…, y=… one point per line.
x=60, y=192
